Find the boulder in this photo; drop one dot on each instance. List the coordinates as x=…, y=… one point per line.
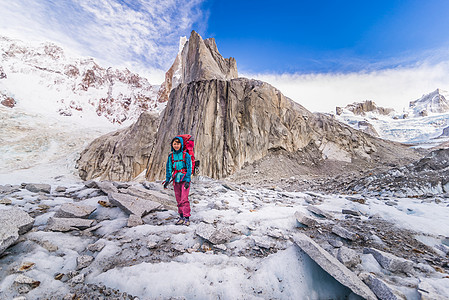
x=319, y=212
x=107, y=187
x=391, y=262
x=382, y=290
x=332, y=266
x=134, y=205
x=36, y=188
x=18, y=218
x=9, y=234
x=165, y=200
x=348, y=257
x=134, y=220
x=68, y=224
x=83, y=261
x=305, y=220
x=214, y=235
x=72, y=210
x=344, y=233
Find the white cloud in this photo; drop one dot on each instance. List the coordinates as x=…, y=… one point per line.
x=142, y=35
x=388, y=88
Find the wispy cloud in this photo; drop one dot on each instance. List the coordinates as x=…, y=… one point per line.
x=140, y=34
x=393, y=87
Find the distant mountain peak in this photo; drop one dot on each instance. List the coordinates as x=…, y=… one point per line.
x=435, y=102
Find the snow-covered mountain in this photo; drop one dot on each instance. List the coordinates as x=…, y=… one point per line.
x=423, y=124
x=436, y=102
x=44, y=79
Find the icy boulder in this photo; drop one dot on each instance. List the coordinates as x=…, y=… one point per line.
x=14, y=222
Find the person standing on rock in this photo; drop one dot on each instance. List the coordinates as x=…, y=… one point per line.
x=179, y=170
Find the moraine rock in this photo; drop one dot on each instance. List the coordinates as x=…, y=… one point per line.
x=97, y=247
x=68, y=224
x=344, y=233
x=6, y=201
x=134, y=205
x=214, y=235
x=305, y=220
x=8, y=102
x=348, y=257
x=153, y=195
x=382, y=290
x=351, y=212
x=332, y=266
x=71, y=210
x=319, y=212
x=391, y=262
x=36, y=188
x=83, y=261
x=8, y=236
x=17, y=218
x=134, y=221
x=107, y=187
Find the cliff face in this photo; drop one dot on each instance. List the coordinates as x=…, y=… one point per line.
x=197, y=59
x=121, y=155
x=239, y=121
x=235, y=122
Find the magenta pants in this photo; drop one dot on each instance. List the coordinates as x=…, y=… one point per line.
x=182, y=198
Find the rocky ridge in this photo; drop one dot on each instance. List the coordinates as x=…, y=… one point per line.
x=436, y=102
x=428, y=176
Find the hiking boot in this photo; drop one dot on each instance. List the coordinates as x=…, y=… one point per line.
x=180, y=221
x=187, y=222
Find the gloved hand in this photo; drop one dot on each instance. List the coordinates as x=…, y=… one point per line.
x=186, y=185
x=166, y=183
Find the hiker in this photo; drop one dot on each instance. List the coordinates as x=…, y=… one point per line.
x=179, y=170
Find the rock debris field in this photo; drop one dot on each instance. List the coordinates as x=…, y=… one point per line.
x=110, y=240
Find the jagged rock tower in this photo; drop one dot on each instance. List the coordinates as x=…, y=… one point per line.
x=235, y=121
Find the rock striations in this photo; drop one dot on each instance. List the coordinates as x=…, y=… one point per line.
x=120, y=155
x=237, y=121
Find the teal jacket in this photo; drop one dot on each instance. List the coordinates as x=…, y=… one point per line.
x=179, y=164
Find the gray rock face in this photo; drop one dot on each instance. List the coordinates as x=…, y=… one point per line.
x=36, y=188
x=391, y=262
x=332, y=266
x=382, y=290
x=121, y=155
x=212, y=234
x=71, y=210
x=133, y=205
x=68, y=224
x=344, y=233
x=202, y=61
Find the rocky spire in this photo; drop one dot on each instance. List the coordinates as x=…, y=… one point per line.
x=198, y=60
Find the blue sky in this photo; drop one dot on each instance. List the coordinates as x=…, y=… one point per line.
x=327, y=36
x=391, y=52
